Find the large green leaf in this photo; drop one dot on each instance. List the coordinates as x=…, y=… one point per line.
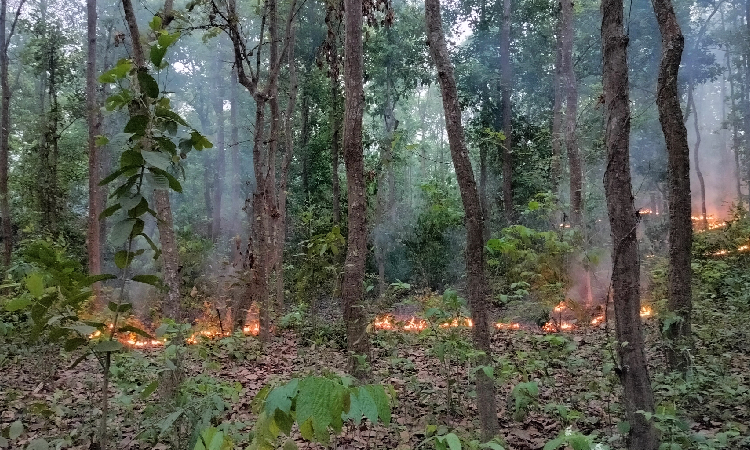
x=17, y=303
x=137, y=125
x=281, y=397
x=35, y=284
x=148, y=85
x=156, y=54
x=157, y=159
x=108, y=346
x=173, y=183
x=320, y=400
x=121, y=231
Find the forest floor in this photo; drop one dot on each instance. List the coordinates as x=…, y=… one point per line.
x=573, y=373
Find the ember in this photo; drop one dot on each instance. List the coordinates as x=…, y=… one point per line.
x=508, y=326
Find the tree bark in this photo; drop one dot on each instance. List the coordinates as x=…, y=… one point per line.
x=557, y=119
x=220, y=169
x=335, y=121
x=358, y=342
x=94, y=124
x=696, y=155
x=571, y=113
x=235, y=157
x=678, y=155
x=506, y=81
x=476, y=283
x=632, y=369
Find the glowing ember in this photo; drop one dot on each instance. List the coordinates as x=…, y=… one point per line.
x=560, y=307
x=645, y=211
x=508, y=326
x=646, y=311
x=598, y=320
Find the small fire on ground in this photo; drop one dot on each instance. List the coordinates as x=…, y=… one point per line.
x=133, y=340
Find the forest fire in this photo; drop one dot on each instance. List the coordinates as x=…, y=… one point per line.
x=508, y=326
x=132, y=340
x=711, y=222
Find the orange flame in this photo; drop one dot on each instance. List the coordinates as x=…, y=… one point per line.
x=508, y=326
x=646, y=311
x=598, y=320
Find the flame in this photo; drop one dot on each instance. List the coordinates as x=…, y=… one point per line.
x=646, y=311
x=597, y=320
x=389, y=322
x=458, y=322
x=560, y=307
x=552, y=327
x=508, y=326
x=645, y=211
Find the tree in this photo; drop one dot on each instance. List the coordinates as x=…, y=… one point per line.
x=678, y=154
x=637, y=393
x=94, y=124
x=7, y=231
x=352, y=292
x=507, y=112
x=476, y=284
x=571, y=112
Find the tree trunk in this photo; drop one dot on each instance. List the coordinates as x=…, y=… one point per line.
x=696, y=155
x=220, y=168
x=735, y=135
x=284, y=176
x=235, y=226
x=7, y=231
x=476, y=284
x=557, y=120
x=92, y=116
x=335, y=121
x=358, y=342
x=678, y=155
x=571, y=114
x=633, y=372
x=506, y=81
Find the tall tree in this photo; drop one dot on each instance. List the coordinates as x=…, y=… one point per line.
x=94, y=124
x=476, y=283
x=678, y=156
x=507, y=112
x=220, y=168
x=571, y=112
x=637, y=393
x=7, y=231
x=352, y=292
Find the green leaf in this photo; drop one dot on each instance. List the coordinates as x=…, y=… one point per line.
x=118, y=72
x=101, y=141
x=155, y=23
x=148, y=85
x=17, y=303
x=121, y=232
x=108, y=346
x=148, y=390
x=16, y=429
x=165, y=112
x=321, y=401
x=113, y=176
x=169, y=420
x=122, y=307
x=281, y=397
x=35, y=284
x=156, y=54
x=157, y=159
x=199, y=141
x=122, y=259
x=153, y=280
x=137, y=125
x=453, y=442
x=167, y=39
x=109, y=211
x=73, y=343
x=173, y=183
x=83, y=330
x=382, y=402
x=306, y=430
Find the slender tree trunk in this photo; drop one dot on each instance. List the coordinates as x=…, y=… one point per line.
x=94, y=125
x=696, y=155
x=557, y=119
x=632, y=370
x=678, y=155
x=571, y=114
x=506, y=81
x=235, y=157
x=358, y=342
x=220, y=169
x=284, y=176
x=303, y=146
x=335, y=121
x=7, y=232
x=735, y=135
x=476, y=283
